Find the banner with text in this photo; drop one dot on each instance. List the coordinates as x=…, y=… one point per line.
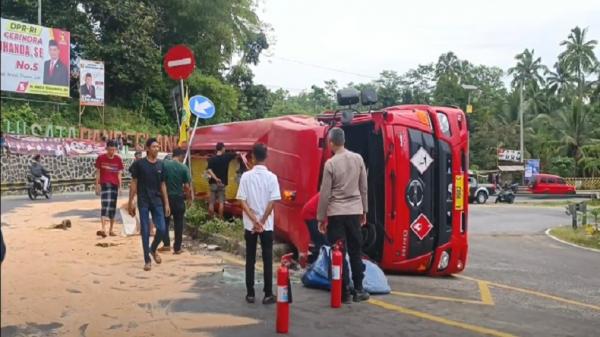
x=91, y=83
x=35, y=59
x=509, y=155
x=53, y=146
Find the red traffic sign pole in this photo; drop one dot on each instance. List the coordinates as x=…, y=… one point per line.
x=179, y=62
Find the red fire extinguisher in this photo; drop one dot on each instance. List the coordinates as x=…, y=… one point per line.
x=336, y=275
x=284, y=294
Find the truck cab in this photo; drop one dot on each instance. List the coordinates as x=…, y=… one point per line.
x=416, y=158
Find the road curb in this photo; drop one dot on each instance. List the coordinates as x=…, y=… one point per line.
x=547, y=232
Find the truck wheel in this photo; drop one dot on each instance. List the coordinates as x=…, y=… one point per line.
x=481, y=197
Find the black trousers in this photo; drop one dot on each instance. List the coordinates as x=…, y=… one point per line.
x=347, y=229
x=177, y=204
x=266, y=243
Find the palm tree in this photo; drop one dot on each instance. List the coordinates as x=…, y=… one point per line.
x=559, y=81
x=448, y=64
x=572, y=124
x=528, y=71
x=527, y=75
x=579, y=58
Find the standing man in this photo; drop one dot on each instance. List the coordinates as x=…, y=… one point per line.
x=148, y=183
x=178, y=188
x=343, y=203
x=258, y=191
x=109, y=168
x=55, y=72
x=218, y=167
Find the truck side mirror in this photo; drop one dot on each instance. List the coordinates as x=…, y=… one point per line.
x=368, y=96
x=348, y=96
x=347, y=116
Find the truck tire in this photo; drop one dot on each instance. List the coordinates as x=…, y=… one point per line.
x=481, y=197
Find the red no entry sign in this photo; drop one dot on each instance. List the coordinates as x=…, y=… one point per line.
x=179, y=62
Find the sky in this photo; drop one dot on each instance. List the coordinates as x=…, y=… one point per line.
x=353, y=41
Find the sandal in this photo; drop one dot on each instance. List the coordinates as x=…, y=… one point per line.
x=111, y=233
x=101, y=233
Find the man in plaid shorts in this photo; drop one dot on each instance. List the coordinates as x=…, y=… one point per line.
x=109, y=168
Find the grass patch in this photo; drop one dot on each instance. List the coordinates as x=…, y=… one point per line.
x=232, y=229
x=197, y=218
x=586, y=236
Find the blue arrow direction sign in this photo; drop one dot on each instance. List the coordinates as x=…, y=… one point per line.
x=202, y=107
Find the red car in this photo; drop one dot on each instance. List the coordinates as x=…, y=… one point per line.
x=550, y=184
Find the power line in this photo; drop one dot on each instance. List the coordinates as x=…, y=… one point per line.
x=323, y=67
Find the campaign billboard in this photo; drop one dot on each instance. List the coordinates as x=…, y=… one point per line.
x=35, y=59
x=91, y=83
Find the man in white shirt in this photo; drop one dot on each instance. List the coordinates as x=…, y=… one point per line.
x=258, y=191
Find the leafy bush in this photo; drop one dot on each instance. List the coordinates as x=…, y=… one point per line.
x=196, y=215
x=116, y=117
x=562, y=166
x=232, y=229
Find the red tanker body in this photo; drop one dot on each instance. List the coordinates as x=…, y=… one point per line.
x=416, y=158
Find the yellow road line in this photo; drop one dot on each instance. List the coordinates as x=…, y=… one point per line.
x=484, y=291
x=441, y=320
x=437, y=298
x=533, y=292
x=486, y=294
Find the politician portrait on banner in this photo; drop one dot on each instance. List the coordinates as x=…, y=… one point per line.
x=35, y=59
x=91, y=83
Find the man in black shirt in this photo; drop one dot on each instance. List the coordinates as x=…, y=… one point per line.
x=148, y=183
x=218, y=167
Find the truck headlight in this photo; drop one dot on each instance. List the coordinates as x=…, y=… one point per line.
x=444, y=260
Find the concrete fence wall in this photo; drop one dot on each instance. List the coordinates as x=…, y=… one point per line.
x=69, y=174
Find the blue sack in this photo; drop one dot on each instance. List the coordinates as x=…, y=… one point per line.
x=375, y=281
x=317, y=275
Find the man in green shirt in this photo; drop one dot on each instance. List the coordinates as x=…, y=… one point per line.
x=178, y=181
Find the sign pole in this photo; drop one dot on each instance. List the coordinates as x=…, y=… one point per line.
x=181, y=93
x=188, y=155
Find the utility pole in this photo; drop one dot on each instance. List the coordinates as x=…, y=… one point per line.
x=39, y=12
x=521, y=130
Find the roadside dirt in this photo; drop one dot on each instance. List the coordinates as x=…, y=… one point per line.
x=60, y=282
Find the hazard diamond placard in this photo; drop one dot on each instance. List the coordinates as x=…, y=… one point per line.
x=421, y=160
x=421, y=226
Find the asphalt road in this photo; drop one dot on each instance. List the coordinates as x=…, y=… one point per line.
x=518, y=282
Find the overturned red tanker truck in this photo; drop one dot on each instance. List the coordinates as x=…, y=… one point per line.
x=417, y=167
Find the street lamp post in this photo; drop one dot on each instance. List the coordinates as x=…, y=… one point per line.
x=39, y=12
x=469, y=88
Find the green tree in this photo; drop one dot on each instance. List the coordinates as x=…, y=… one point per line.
x=448, y=65
x=225, y=97
x=579, y=58
x=572, y=125
x=389, y=88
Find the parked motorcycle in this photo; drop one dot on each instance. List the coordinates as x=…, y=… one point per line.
x=35, y=187
x=506, y=195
